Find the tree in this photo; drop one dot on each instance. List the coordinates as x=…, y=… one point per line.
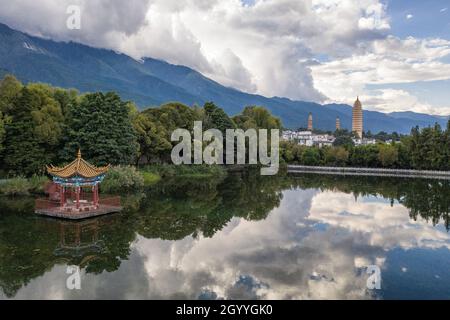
x=287, y=152
x=404, y=156
x=437, y=156
x=33, y=132
x=387, y=155
x=66, y=99
x=336, y=156
x=311, y=157
x=343, y=141
x=447, y=145
x=216, y=118
x=344, y=138
x=257, y=118
x=153, y=138
x=154, y=127
x=10, y=87
x=429, y=148
x=414, y=147
x=2, y=131
x=364, y=156
x=48, y=117
x=175, y=115
x=101, y=127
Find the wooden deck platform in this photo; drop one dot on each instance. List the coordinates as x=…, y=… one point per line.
x=63, y=214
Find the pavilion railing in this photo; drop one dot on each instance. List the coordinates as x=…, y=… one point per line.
x=43, y=204
x=110, y=201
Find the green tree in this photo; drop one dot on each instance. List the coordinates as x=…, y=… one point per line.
x=364, y=156
x=216, y=118
x=153, y=138
x=387, y=155
x=437, y=156
x=257, y=118
x=336, y=156
x=101, y=126
x=287, y=151
x=2, y=132
x=154, y=127
x=67, y=99
x=33, y=132
x=10, y=87
x=343, y=141
x=175, y=115
x=311, y=157
x=404, y=155
x=447, y=145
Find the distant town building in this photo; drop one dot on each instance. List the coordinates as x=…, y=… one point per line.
x=310, y=122
x=338, y=123
x=307, y=138
x=364, y=141
x=357, y=118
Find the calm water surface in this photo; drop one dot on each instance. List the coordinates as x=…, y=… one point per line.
x=243, y=237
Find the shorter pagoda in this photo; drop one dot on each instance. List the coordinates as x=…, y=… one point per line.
x=74, y=192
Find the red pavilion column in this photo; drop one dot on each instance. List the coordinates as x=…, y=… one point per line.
x=61, y=195
x=77, y=191
x=96, y=194
x=94, y=200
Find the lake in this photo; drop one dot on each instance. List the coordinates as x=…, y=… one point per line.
x=241, y=237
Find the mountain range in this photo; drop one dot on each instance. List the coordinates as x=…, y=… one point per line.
x=151, y=82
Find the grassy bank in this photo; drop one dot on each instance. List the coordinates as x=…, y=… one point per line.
x=130, y=179
x=20, y=186
x=120, y=179
x=187, y=171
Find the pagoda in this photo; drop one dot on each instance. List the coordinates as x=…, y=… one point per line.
x=310, y=122
x=357, y=118
x=74, y=193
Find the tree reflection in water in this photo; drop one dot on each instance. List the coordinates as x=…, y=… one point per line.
x=175, y=209
x=428, y=199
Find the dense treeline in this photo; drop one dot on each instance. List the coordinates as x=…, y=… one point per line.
x=40, y=124
x=426, y=149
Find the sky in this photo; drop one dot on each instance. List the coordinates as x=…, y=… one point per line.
x=393, y=54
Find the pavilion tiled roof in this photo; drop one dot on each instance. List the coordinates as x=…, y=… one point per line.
x=78, y=167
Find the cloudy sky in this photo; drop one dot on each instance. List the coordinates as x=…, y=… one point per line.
x=394, y=54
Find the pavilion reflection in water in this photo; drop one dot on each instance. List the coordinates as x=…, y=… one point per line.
x=74, y=193
x=79, y=240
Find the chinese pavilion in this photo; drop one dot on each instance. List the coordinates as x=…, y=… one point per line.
x=68, y=196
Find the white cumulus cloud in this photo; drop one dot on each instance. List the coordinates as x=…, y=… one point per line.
x=269, y=47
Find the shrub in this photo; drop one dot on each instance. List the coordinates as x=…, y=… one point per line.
x=122, y=179
x=387, y=155
x=150, y=178
x=15, y=187
x=311, y=157
x=336, y=156
x=37, y=184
